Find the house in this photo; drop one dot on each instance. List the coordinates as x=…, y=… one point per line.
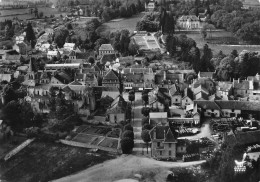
x=51, y=54
x=224, y=89
x=21, y=48
x=187, y=98
x=117, y=110
x=60, y=78
x=150, y=6
x=158, y=117
x=69, y=46
x=207, y=83
x=45, y=47
x=56, y=67
x=243, y=88
x=206, y=75
x=200, y=93
x=176, y=96
x=6, y=77
x=189, y=22
x=111, y=79
x=79, y=57
x=229, y=108
x=88, y=79
x=163, y=142
x=12, y=59
x=251, y=4
x=106, y=49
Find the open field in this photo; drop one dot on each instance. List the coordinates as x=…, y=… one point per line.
x=215, y=36
x=128, y=23
x=24, y=13
x=47, y=161
x=149, y=169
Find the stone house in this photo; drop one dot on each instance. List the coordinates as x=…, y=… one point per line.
x=163, y=142
x=189, y=22
x=106, y=49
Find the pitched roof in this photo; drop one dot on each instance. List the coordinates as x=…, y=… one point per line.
x=231, y=104
x=169, y=138
x=111, y=75
x=13, y=57
x=241, y=85
x=134, y=77
x=137, y=70
x=206, y=74
x=200, y=89
x=106, y=47
x=75, y=83
x=224, y=86
x=157, y=115
x=207, y=104
x=188, y=17
x=63, y=77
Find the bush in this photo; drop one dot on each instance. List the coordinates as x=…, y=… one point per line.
x=128, y=127
x=128, y=134
x=127, y=145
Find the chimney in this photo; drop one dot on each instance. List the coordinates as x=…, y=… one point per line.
x=164, y=75
x=238, y=80
x=251, y=85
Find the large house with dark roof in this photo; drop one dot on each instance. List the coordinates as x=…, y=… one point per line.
x=111, y=79
x=231, y=108
x=163, y=142
x=106, y=49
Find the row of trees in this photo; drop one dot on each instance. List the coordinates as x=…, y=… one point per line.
x=243, y=23
x=127, y=141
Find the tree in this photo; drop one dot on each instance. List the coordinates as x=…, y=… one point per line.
x=60, y=37
x=131, y=98
x=133, y=48
x=205, y=58
x=41, y=14
x=127, y=145
x=91, y=60
x=128, y=127
x=145, y=97
x=30, y=36
x=106, y=3
x=8, y=94
x=194, y=56
x=146, y=137
x=145, y=120
x=69, y=26
x=145, y=111
x=249, y=32
x=128, y=134
x=146, y=126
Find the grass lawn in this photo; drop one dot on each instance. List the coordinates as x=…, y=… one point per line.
x=47, y=161
x=216, y=37
x=128, y=23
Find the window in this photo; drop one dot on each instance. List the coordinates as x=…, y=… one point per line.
x=181, y=148
x=233, y=110
x=170, y=145
x=158, y=144
x=170, y=152
x=176, y=100
x=160, y=152
x=212, y=110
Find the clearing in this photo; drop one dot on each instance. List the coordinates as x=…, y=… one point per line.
x=125, y=167
x=47, y=161
x=120, y=24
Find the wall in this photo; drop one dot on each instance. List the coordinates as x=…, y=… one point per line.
x=227, y=112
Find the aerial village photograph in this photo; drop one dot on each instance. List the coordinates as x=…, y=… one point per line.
x=129, y=90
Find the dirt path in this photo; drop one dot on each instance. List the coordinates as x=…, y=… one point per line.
x=125, y=167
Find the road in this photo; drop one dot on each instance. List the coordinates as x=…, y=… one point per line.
x=125, y=167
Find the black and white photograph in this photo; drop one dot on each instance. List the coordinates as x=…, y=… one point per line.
x=129, y=90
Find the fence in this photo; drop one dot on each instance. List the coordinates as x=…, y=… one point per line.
x=18, y=149
x=84, y=145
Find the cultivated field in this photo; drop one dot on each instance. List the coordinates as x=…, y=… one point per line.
x=24, y=13
x=100, y=136
x=120, y=24
x=48, y=161
x=218, y=37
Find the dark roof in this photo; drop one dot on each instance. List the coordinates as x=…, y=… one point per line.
x=160, y=131
x=231, y=104
x=207, y=104
x=241, y=85
x=169, y=138
x=134, y=77
x=106, y=47
x=111, y=75
x=206, y=74
x=107, y=58
x=63, y=77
